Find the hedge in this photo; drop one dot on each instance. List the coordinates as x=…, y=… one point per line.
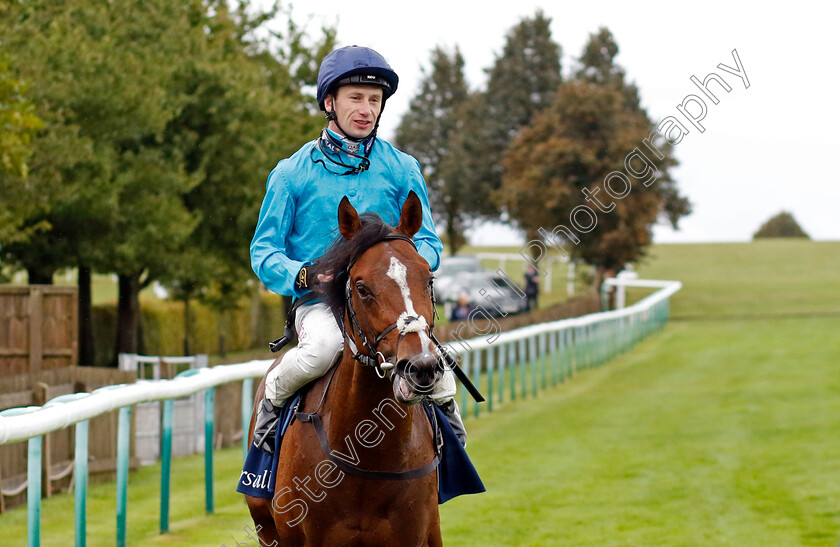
x=251, y=325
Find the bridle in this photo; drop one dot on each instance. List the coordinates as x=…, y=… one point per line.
x=405, y=324
x=373, y=357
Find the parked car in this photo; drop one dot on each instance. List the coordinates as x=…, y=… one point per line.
x=448, y=275
x=498, y=297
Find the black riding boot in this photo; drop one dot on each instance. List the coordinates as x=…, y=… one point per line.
x=453, y=414
x=266, y=425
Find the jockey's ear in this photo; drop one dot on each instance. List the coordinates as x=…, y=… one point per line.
x=348, y=219
x=411, y=217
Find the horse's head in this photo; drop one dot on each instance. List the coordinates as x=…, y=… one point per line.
x=388, y=299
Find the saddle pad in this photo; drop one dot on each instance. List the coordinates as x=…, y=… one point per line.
x=260, y=469
x=456, y=474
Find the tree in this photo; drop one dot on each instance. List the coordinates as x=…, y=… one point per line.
x=424, y=132
x=144, y=103
x=17, y=125
x=238, y=97
x=582, y=175
x=521, y=82
x=597, y=66
x=781, y=225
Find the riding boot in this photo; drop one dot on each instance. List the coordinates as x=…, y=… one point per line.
x=453, y=414
x=266, y=426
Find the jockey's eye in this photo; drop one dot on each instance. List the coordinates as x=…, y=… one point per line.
x=363, y=291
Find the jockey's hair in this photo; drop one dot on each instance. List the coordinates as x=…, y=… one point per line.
x=342, y=254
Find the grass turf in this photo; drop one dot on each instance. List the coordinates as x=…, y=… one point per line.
x=718, y=433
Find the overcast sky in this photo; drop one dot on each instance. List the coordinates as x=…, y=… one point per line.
x=766, y=148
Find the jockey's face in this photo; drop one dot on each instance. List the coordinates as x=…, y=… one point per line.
x=357, y=108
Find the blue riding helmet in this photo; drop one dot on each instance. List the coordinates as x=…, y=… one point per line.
x=355, y=65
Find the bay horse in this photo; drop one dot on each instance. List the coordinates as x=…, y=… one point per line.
x=358, y=465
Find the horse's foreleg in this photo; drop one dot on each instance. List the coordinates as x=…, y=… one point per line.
x=263, y=521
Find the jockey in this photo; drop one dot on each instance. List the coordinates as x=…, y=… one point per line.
x=298, y=219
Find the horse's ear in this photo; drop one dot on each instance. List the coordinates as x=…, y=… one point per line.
x=411, y=217
x=348, y=219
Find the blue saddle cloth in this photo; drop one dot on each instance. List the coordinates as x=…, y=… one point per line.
x=260, y=469
x=456, y=473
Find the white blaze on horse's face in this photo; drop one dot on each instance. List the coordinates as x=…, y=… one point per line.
x=409, y=320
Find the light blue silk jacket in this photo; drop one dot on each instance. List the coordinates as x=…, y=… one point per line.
x=299, y=214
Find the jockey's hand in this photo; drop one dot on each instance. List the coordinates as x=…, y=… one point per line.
x=304, y=281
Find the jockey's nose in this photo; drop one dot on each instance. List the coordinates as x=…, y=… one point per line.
x=422, y=372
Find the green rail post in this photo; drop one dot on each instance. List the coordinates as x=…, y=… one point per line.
x=541, y=351
x=476, y=374
x=80, y=481
x=123, y=446
x=551, y=350
x=208, y=449
x=513, y=370
x=166, y=463
x=33, y=492
x=465, y=364
x=587, y=343
x=247, y=407
x=594, y=347
x=502, y=365
x=491, y=369
x=535, y=362
x=562, y=349
x=523, y=366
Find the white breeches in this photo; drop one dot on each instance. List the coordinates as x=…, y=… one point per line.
x=319, y=344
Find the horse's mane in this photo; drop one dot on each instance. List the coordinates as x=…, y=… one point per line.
x=342, y=254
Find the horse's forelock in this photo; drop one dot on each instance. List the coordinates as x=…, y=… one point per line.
x=343, y=253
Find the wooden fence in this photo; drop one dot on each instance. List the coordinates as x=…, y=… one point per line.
x=58, y=450
x=38, y=328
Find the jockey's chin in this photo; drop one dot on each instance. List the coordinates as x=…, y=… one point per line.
x=407, y=394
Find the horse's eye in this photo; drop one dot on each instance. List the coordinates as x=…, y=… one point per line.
x=362, y=290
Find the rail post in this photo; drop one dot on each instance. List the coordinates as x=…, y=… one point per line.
x=123, y=448
x=33, y=491
x=208, y=449
x=166, y=463
x=81, y=480
x=247, y=407
x=491, y=369
x=476, y=374
x=523, y=367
